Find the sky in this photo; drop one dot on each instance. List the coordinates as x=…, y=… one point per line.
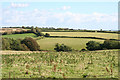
x=77, y=15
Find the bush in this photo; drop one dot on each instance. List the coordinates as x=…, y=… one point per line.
x=15, y=44
x=62, y=47
x=47, y=35
x=31, y=44
x=110, y=44
x=11, y=44
x=5, y=44
x=92, y=45
x=24, y=47
x=39, y=34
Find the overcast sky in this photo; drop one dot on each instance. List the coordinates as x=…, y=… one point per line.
x=82, y=15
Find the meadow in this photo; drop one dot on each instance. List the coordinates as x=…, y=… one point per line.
x=89, y=64
x=19, y=36
x=85, y=34
x=75, y=43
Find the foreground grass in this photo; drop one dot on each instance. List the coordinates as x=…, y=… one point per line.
x=19, y=36
x=75, y=43
x=85, y=34
x=91, y=64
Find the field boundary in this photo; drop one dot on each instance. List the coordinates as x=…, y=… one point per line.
x=82, y=37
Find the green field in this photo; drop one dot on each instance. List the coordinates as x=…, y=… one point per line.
x=85, y=34
x=75, y=43
x=18, y=36
x=91, y=64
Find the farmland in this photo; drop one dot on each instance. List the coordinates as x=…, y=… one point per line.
x=79, y=43
x=91, y=64
x=18, y=36
x=85, y=34
x=75, y=43
x=51, y=64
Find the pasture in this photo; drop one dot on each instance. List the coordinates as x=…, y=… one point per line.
x=85, y=34
x=75, y=43
x=19, y=36
x=90, y=64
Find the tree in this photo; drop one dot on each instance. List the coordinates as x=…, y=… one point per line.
x=47, y=35
x=31, y=44
x=111, y=44
x=92, y=45
x=23, y=27
x=33, y=29
x=62, y=47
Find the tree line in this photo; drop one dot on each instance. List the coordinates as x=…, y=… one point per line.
x=52, y=29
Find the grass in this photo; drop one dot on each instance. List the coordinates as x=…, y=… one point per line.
x=75, y=43
x=17, y=36
x=85, y=34
x=91, y=64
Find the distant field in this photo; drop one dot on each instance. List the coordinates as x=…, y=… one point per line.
x=17, y=36
x=85, y=34
x=91, y=64
x=78, y=44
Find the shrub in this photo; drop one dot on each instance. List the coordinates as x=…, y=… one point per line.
x=31, y=44
x=15, y=44
x=111, y=44
x=47, y=35
x=11, y=44
x=83, y=50
x=62, y=47
x=24, y=47
x=39, y=34
x=5, y=44
x=92, y=45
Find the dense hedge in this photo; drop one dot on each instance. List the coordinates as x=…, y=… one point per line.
x=20, y=45
x=107, y=44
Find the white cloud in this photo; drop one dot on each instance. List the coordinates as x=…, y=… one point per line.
x=45, y=18
x=17, y=5
x=66, y=7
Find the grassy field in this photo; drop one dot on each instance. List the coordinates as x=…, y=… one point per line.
x=17, y=36
x=75, y=43
x=85, y=34
x=91, y=64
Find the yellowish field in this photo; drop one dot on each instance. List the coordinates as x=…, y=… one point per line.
x=85, y=34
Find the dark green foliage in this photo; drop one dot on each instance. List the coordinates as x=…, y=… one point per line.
x=111, y=44
x=62, y=47
x=92, y=45
x=17, y=44
x=11, y=44
x=31, y=44
x=37, y=31
x=5, y=44
x=24, y=47
x=47, y=35
x=83, y=50
x=107, y=44
x=39, y=34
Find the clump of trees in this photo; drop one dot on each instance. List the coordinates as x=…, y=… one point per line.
x=107, y=44
x=31, y=44
x=27, y=44
x=38, y=32
x=62, y=47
